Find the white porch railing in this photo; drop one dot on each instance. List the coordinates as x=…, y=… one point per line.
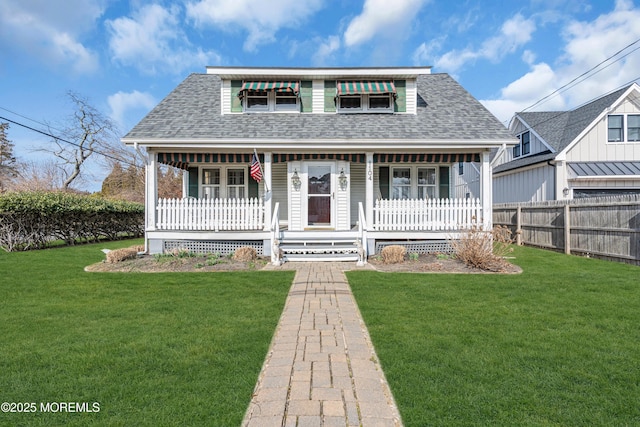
x=426, y=215
x=210, y=214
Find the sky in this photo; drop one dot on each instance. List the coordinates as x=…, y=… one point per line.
x=125, y=56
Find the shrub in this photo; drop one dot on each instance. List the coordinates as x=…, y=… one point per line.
x=119, y=255
x=245, y=254
x=484, y=250
x=393, y=254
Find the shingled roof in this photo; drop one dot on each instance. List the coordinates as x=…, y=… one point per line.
x=559, y=128
x=445, y=111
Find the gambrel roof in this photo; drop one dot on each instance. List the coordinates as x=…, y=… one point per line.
x=446, y=113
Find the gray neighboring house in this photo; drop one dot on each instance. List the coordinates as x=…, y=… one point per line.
x=593, y=150
x=349, y=159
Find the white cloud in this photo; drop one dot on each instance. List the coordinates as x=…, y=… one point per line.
x=381, y=16
x=514, y=33
x=586, y=44
x=51, y=33
x=261, y=19
x=152, y=41
x=123, y=103
x=326, y=48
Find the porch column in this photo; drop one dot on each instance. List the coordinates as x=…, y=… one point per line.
x=486, y=191
x=268, y=205
x=151, y=191
x=369, y=191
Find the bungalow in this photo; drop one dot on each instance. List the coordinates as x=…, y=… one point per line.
x=593, y=150
x=316, y=163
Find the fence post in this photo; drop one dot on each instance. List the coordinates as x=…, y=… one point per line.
x=519, y=225
x=567, y=230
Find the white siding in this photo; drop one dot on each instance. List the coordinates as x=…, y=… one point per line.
x=594, y=146
x=317, y=104
x=225, y=93
x=412, y=96
x=279, y=190
x=358, y=190
x=295, y=198
x=342, y=199
x=533, y=184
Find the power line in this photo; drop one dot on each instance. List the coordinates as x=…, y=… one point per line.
x=67, y=141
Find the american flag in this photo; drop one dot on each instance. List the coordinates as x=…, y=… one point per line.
x=256, y=170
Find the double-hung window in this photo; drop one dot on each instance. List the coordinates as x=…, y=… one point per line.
x=417, y=182
x=211, y=183
x=524, y=146
x=235, y=183
x=401, y=183
x=232, y=186
x=426, y=183
x=270, y=96
x=615, y=128
x=358, y=96
x=633, y=127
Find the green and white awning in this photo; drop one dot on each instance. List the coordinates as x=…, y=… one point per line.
x=357, y=87
x=277, y=86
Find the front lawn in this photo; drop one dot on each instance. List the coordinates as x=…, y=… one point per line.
x=558, y=345
x=151, y=349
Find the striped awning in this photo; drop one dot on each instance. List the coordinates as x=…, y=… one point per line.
x=426, y=158
x=365, y=87
x=182, y=160
x=277, y=86
x=349, y=157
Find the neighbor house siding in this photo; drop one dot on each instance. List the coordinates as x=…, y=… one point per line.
x=467, y=184
x=529, y=185
x=537, y=146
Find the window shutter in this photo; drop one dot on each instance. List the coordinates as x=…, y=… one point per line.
x=444, y=182
x=193, y=182
x=236, y=103
x=329, y=96
x=306, y=95
x=383, y=175
x=253, y=188
x=400, y=103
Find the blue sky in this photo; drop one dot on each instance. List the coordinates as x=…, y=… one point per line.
x=125, y=56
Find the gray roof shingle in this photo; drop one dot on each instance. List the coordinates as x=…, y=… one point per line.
x=445, y=111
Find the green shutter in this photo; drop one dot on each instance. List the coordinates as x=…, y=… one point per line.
x=329, y=96
x=253, y=188
x=306, y=95
x=236, y=103
x=193, y=182
x=383, y=179
x=400, y=104
x=444, y=183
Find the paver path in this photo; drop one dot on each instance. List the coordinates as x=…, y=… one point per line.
x=321, y=369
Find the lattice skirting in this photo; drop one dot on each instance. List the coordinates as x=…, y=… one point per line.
x=419, y=246
x=212, y=247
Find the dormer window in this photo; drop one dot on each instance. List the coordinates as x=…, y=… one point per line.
x=269, y=96
x=365, y=96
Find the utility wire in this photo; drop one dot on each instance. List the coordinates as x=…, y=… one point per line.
x=68, y=142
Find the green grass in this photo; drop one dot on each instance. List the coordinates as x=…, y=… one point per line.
x=558, y=345
x=152, y=349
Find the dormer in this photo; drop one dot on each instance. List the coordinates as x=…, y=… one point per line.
x=319, y=90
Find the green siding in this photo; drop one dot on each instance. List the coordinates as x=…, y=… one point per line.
x=329, y=96
x=444, y=192
x=236, y=104
x=383, y=175
x=306, y=95
x=193, y=182
x=400, y=104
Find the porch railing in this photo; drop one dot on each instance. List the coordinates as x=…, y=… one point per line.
x=210, y=214
x=426, y=215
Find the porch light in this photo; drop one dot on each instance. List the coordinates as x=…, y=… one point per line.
x=565, y=191
x=295, y=180
x=342, y=180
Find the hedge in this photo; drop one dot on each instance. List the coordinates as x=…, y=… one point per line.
x=34, y=220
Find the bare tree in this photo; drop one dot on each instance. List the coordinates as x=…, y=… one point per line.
x=38, y=176
x=8, y=170
x=88, y=132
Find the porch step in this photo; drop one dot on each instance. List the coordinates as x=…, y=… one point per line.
x=319, y=249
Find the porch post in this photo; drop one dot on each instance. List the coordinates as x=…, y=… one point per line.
x=151, y=191
x=369, y=191
x=486, y=191
x=268, y=205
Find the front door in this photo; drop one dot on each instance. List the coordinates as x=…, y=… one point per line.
x=319, y=194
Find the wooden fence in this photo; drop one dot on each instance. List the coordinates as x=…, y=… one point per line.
x=426, y=215
x=607, y=228
x=210, y=214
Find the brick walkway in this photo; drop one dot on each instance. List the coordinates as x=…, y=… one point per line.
x=321, y=369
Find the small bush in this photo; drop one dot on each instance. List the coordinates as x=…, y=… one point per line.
x=484, y=250
x=245, y=254
x=393, y=254
x=123, y=254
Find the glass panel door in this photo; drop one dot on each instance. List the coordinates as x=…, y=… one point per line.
x=319, y=192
